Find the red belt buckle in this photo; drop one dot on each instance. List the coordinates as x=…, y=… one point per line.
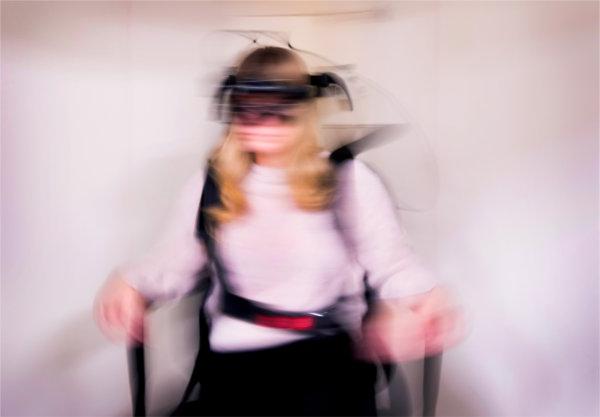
x=285, y=322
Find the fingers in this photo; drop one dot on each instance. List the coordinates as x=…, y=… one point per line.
x=119, y=312
x=416, y=327
x=445, y=321
x=449, y=329
x=104, y=318
x=133, y=323
x=395, y=335
x=435, y=302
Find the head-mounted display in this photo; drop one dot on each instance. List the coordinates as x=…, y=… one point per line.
x=235, y=95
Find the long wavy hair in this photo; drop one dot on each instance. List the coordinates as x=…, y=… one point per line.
x=310, y=176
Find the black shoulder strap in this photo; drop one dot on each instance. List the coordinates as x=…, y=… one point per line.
x=205, y=227
x=210, y=197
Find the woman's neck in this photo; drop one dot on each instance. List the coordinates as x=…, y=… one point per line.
x=272, y=160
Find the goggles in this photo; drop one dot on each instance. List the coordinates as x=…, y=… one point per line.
x=255, y=108
x=252, y=101
x=250, y=114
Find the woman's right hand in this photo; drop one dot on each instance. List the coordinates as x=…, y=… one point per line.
x=119, y=311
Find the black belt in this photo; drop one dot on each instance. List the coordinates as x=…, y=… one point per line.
x=322, y=321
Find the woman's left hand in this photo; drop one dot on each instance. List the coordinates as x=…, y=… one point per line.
x=413, y=327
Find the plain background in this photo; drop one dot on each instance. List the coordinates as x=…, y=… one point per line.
x=104, y=114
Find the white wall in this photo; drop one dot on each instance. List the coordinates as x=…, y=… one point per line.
x=517, y=140
x=103, y=116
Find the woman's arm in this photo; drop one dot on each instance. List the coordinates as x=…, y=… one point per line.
x=171, y=267
x=380, y=241
x=415, y=315
x=169, y=270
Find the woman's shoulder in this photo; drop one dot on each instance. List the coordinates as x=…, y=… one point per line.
x=357, y=171
x=361, y=183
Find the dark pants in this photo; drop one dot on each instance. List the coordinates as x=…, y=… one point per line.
x=319, y=376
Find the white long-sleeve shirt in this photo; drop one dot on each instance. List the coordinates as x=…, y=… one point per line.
x=284, y=256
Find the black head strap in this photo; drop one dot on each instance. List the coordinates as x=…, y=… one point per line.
x=325, y=81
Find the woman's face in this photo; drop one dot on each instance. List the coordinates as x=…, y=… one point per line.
x=266, y=124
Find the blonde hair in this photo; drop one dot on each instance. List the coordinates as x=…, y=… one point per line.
x=310, y=176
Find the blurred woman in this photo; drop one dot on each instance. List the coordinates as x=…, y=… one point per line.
x=297, y=235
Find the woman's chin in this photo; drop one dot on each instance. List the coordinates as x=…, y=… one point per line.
x=262, y=147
